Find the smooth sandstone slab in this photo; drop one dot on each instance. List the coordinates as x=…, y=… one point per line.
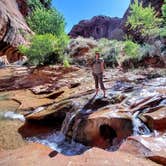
x=151, y=147
x=38, y=155
x=157, y=119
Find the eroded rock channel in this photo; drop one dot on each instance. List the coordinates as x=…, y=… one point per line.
x=71, y=120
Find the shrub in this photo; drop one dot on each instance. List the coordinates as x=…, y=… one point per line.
x=66, y=63
x=131, y=49
x=146, y=50
x=43, y=49
x=143, y=19
x=163, y=32
x=43, y=21
x=110, y=51
x=81, y=46
x=163, y=29
x=164, y=9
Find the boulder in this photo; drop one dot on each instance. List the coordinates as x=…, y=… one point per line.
x=149, y=147
x=103, y=128
x=156, y=120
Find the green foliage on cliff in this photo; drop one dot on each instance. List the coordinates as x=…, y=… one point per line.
x=34, y=4
x=44, y=49
x=43, y=21
x=143, y=19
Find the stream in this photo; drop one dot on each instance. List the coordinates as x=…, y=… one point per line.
x=59, y=142
x=134, y=99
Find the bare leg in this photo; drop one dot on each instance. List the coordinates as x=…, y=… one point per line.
x=96, y=83
x=102, y=84
x=97, y=90
x=104, y=93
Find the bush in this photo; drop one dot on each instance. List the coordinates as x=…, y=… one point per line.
x=131, y=49
x=43, y=21
x=110, y=51
x=163, y=29
x=44, y=49
x=66, y=63
x=143, y=19
x=146, y=50
x=163, y=32
x=164, y=9
x=81, y=46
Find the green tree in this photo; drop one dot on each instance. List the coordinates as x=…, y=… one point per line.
x=34, y=4
x=143, y=19
x=44, y=49
x=43, y=21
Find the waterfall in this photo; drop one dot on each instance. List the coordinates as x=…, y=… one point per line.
x=76, y=125
x=57, y=140
x=66, y=123
x=139, y=128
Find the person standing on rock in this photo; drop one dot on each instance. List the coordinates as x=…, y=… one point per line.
x=97, y=72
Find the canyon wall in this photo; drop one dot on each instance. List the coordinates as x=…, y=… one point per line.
x=13, y=29
x=111, y=28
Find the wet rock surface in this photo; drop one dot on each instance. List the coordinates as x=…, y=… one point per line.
x=152, y=147
x=71, y=120
x=41, y=80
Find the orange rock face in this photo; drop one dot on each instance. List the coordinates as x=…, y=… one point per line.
x=35, y=154
x=150, y=147
x=157, y=119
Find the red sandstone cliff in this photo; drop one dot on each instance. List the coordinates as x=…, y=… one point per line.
x=111, y=28
x=13, y=29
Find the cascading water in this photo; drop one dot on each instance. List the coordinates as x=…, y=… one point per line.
x=12, y=115
x=75, y=129
x=139, y=128
x=66, y=123
x=58, y=141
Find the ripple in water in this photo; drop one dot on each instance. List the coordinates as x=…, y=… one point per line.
x=12, y=115
x=58, y=142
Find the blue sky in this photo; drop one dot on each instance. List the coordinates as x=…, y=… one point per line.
x=75, y=11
